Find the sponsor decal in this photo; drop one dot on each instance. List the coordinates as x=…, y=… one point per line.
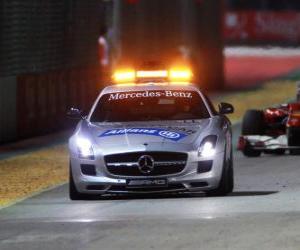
x=150, y=94
x=167, y=134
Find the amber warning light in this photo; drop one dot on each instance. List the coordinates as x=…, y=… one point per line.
x=173, y=76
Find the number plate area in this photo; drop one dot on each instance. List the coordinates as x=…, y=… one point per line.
x=147, y=183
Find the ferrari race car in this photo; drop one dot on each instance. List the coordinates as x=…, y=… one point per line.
x=154, y=136
x=271, y=131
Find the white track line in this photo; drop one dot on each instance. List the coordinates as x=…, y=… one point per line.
x=14, y=202
x=261, y=52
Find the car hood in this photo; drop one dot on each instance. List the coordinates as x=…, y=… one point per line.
x=162, y=134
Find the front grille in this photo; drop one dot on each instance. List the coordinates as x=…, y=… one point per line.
x=134, y=157
x=165, y=163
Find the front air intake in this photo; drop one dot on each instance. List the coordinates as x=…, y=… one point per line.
x=89, y=170
x=204, y=166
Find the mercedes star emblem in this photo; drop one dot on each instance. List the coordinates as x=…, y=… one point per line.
x=146, y=164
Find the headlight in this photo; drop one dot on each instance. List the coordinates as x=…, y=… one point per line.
x=85, y=149
x=208, y=146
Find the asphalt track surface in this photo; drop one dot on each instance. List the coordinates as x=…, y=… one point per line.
x=262, y=213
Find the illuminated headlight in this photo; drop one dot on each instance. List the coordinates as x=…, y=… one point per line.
x=85, y=149
x=208, y=146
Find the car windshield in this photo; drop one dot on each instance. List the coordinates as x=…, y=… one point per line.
x=150, y=106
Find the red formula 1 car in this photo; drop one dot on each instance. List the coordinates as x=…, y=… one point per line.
x=271, y=131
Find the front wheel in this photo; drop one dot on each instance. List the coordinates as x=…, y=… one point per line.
x=279, y=152
x=294, y=140
x=275, y=151
x=294, y=151
x=254, y=123
x=74, y=194
x=249, y=151
x=227, y=182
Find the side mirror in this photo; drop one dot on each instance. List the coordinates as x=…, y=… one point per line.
x=226, y=108
x=75, y=114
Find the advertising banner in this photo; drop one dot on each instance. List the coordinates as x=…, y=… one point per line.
x=262, y=27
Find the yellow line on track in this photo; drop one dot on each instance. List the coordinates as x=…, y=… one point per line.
x=24, y=175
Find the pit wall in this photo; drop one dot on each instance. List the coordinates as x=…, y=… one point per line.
x=36, y=104
x=8, y=108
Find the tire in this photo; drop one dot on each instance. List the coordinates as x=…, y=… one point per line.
x=293, y=140
x=231, y=174
x=294, y=151
x=74, y=195
x=275, y=152
x=248, y=151
x=253, y=123
x=226, y=184
x=279, y=152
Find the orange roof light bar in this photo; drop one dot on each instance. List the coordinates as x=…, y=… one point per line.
x=152, y=74
x=124, y=76
x=178, y=76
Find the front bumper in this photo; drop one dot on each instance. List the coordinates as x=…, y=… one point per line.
x=189, y=180
x=264, y=143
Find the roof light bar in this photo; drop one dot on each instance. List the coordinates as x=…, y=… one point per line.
x=180, y=75
x=174, y=76
x=152, y=74
x=124, y=76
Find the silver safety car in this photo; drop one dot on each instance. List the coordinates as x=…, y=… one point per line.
x=152, y=137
